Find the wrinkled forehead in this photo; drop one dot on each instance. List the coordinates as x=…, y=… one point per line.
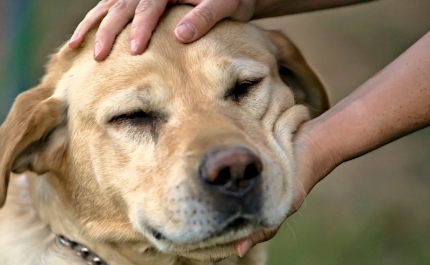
x=231, y=52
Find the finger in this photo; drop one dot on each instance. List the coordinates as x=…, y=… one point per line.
x=114, y=22
x=94, y=15
x=202, y=18
x=242, y=246
x=304, y=172
x=299, y=197
x=144, y=22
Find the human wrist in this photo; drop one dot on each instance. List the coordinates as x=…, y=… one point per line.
x=340, y=134
x=315, y=152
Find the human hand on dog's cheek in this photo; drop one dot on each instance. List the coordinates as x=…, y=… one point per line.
x=312, y=166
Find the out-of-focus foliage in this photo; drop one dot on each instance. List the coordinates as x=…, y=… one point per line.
x=373, y=210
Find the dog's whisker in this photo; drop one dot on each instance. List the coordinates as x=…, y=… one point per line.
x=291, y=230
x=182, y=150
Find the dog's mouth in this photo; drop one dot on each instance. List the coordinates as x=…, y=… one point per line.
x=157, y=235
x=228, y=230
x=235, y=225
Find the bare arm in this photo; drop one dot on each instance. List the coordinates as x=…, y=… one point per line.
x=115, y=14
x=393, y=103
x=273, y=8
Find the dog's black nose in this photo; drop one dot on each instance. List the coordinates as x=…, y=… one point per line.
x=231, y=171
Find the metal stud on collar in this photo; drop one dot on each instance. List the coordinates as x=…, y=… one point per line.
x=82, y=251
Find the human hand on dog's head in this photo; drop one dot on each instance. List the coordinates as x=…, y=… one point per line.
x=144, y=14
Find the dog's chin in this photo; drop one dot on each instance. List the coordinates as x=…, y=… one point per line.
x=215, y=248
x=210, y=254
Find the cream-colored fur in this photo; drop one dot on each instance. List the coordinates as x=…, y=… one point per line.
x=102, y=179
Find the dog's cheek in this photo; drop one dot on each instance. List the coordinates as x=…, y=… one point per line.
x=278, y=197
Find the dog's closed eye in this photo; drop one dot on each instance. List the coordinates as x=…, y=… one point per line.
x=242, y=89
x=134, y=118
x=137, y=124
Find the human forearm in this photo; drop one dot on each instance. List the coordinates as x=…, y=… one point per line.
x=272, y=8
x=395, y=102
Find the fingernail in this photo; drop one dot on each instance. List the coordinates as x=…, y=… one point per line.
x=134, y=47
x=185, y=32
x=97, y=49
x=244, y=247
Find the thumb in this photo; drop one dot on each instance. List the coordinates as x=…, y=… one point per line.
x=202, y=18
x=242, y=246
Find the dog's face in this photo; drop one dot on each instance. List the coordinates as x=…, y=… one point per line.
x=187, y=146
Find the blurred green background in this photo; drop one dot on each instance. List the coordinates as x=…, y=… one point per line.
x=372, y=210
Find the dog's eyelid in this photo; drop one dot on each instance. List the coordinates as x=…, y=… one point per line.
x=132, y=115
x=250, y=80
x=242, y=87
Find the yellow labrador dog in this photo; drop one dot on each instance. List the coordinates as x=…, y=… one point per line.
x=163, y=158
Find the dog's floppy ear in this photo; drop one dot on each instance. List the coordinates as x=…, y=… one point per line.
x=33, y=135
x=32, y=118
x=296, y=73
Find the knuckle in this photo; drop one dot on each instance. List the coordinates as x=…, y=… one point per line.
x=145, y=7
x=103, y=34
x=243, y=10
x=141, y=29
x=233, y=5
x=92, y=13
x=90, y=18
x=205, y=14
x=119, y=5
x=106, y=4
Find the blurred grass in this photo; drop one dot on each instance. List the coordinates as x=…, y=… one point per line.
x=372, y=210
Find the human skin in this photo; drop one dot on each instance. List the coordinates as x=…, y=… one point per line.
x=144, y=14
x=393, y=103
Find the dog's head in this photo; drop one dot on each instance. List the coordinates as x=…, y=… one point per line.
x=186, y=146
